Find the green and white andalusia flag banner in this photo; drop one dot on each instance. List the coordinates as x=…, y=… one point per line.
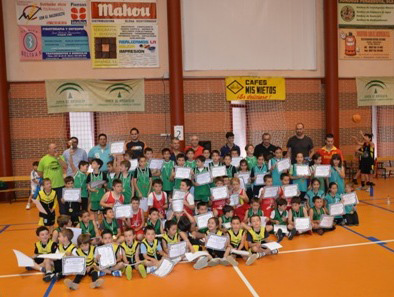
x=95, y=95
x=375, y=91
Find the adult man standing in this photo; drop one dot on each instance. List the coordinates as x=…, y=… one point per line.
x=135, y=145
x=51, y=166
x=299, y=143
x=175, y=148
x=329, y=150
x=73, y=156
x=226, y=149
x=101, y=151
x=198, y=149
x=265, y=147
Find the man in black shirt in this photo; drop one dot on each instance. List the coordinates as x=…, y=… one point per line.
x=299, y=143
x=265, y=148
x=135, y=145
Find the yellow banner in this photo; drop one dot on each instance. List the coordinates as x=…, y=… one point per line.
x=255, y=88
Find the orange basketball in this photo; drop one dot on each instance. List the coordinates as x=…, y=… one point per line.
x=356, y=118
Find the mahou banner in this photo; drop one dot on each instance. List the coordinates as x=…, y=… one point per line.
x=124, y=34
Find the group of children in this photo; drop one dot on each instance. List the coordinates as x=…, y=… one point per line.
x=246, y=216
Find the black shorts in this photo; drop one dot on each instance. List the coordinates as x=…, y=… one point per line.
x=38, y=260
x=216, y=254
x=366, y=166
x=48, y=220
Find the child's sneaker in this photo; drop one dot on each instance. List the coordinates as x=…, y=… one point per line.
x=70, y=284
x=142, y=270
x=280, y=235
x=101, y=273
x=292, y=233
x=251, y=259
x=150, y=269
x=224, y=262
x=320, y=231
x=97, y=283
x=129, y=273
x=48, y=277
x=275, y=252
x=28, y=268
x=117, y=273
x=28, y=206
x=201, y=263
x=214, y=262
x=232, y=261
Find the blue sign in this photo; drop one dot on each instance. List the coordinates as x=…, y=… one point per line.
x=64, y=43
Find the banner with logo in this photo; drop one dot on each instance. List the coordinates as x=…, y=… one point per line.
x=124, y=34
x=94, y=95
x=375, y=91
x=255, y=88
x=51, y=12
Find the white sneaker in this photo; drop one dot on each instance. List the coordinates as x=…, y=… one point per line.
x=232, y=261
x=151, y=269
x=251, y=259
x=201, y=263
x=214, y=262
x=28, y=206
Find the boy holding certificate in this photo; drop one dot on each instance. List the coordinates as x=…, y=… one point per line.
x=273, y=167
x=80, y=178
x=260, y=168
x=126, y=177
x=250, y=157
x=280, y=216
x=72, y=208
x=137, y=221
x=44, y=245
x=202, y=208
x=316, y=213
x=230, y=169
x=217, y=205
x=296, y=211
x=166, y=171
x=190, y=163
x=109, y=223
x=351, y=216
x=268, y=203
x=154, y=220
x=158, y=198
x=239, y=198
x=151, y=250
x=188, y=201
x=96, y=185
x=300, y=180
x=48, y=199
x=258, y=235
x=180, y=162
x=225, y=219
x=87, y=250
x=115, y=270
x=142, y=180
x=201, y=192
x=333, y=197
x=131, y=248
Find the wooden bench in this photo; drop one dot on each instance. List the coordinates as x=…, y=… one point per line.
x=380, y=166
x=13, y=179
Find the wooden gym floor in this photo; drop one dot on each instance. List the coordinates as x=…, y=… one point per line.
x=351, y=261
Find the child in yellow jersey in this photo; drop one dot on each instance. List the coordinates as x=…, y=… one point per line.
x=256, y=236
x=48, y=199
x=115, y=270
x=218, y=256
x=131, y=249
x=151, y=250
x=87, y=250
x=237, y=238
x=65, y=247
x=44, y=245
x=171, y=235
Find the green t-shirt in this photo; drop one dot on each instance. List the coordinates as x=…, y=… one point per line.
x=51, y=168
x=80, y=182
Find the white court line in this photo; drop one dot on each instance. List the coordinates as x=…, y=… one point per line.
x=335, y=246
x=25, y=274
x=246, y=282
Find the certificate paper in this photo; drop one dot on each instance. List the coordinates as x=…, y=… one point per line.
x=216, y=242
x=117, y=147
x=206, y=163
x=218, y=171
x=178, y=195
x=245, y=176
x=235, y=161
x=303, y=170
x=322, y=171
x=183, y=172
x=144, y=204
x=177, y=205
x=302, y=224
x=73, y=265
x=193, y=256
x=282, y=227
x=290, y=191
x=133, y=164
x=234, y=199
x=72, y=195
x=123, y=211
x=283, y=165
x=260, y=179
x=226, y=225
x=76, y=232
x=271, y=246
x=219, y=193
x=164, y=269
x=177, y=249
x=326, y=221
x=107, y=256
x=23, y=260
x=55, y=256
x=156, y=164
x=350, y=199
x=263, y=220
x=271, y=192
x=337, y=209
x=202, y=220
x=98, y=184
x=203, y=178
